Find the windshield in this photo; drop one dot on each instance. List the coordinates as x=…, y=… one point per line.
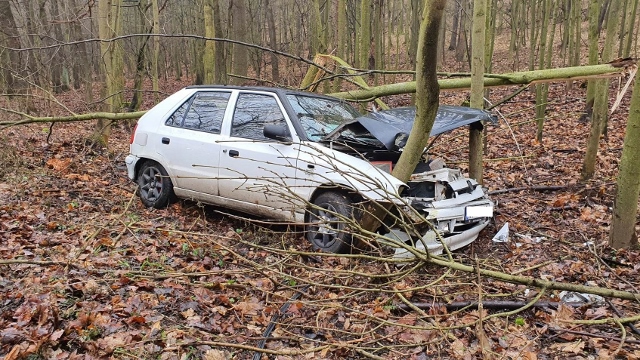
x=320, y=116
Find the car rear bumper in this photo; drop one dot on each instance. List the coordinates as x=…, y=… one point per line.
x=131, y=161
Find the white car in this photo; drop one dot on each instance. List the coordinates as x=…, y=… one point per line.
x=304, y=158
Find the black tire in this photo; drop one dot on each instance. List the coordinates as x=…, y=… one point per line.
x=326, y=223
x=155, y=186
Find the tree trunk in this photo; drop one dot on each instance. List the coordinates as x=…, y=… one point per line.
x=477, y=87
x=156, y=49
x=109, y=24
x=9, y=38
x=601, y=100
x=453, y=40
x=415, y=30
x=427, y=89
x=240, y=58
x=220, y=53
x=594, y=35
x=273, y=43
x=630, y=29
x=209, y=55
x=364, y=34
x=544, y=49
x=625, y=207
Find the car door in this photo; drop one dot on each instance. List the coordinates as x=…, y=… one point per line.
x=257, y=174
x=190, y=143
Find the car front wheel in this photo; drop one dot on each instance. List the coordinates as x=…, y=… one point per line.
x=327, y=222
x=155, y=187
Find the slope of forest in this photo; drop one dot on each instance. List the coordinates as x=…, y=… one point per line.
x=87, y=272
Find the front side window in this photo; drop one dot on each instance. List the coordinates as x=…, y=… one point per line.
x=252, y=113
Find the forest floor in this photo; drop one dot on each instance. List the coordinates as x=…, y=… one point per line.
x=86, y=271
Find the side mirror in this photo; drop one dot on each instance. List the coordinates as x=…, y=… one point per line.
x=277, y=132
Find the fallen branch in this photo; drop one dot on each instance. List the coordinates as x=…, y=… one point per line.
x=491, y=305
x=40, y=263
x=28, y=119
x=493, y=80
x=532, y=188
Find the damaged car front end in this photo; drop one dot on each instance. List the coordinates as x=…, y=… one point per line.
x=439, y=207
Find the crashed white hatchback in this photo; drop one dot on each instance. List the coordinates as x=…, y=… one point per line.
x=304, y=158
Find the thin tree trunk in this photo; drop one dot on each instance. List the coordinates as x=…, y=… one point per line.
x=155, y=10
x=209, y=55
x=625, y=207
x=594, y=35
x=364, y=37
x=630, y=30
x=601, y=100
x=453, y=40
x=427, y=89
x=240, y=58
x=477, y=87
x=220, y=53
x=546, y=43
x=273, y=43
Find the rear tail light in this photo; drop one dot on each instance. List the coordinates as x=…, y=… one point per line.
x=133, y=134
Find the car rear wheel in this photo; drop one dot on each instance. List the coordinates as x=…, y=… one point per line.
x=327, y=222
x=155, y=187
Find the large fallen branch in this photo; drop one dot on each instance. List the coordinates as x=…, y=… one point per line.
x=28, y=119
x=491, y=80
x=517, y=78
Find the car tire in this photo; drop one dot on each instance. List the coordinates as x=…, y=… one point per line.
x=327, y=223
x=154, y=185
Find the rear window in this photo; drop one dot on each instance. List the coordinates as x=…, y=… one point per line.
x=204, y=111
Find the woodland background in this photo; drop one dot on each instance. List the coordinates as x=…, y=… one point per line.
x=88, y=272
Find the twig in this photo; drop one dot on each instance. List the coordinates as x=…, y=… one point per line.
x=532, y=188
x=272, y=324
x=493, y=305
x=615, y=309
x=36, y=262
x=583, y=333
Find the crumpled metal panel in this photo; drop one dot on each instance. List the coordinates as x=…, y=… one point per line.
x=393, y=126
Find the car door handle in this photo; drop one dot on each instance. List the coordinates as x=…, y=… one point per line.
x=234, y=153
x=166, y=140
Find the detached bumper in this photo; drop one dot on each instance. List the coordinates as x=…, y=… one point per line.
x=131, y=161
x=430, y=243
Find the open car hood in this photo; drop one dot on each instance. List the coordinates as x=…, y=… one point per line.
x=392, y=127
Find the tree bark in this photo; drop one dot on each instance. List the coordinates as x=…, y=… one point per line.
x=625, y=207
x=594, y=35
x=601, y=99
x=477, y=87
x=109, y=25
x=364, y=37
x=517, y=78
x=209, y=55
x=240, y=58
x=427, y=89
x=273, y=43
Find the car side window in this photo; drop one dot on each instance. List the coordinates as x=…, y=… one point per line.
x=204, y=111
x=176, y=118
x=207, y=111
x=252, y=113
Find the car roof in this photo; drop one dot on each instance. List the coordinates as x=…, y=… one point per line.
x=279, y=90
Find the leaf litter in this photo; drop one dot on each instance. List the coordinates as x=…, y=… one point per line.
x=88, y=272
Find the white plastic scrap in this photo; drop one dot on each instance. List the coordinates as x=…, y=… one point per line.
x=576, y=297
x=502, y=236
